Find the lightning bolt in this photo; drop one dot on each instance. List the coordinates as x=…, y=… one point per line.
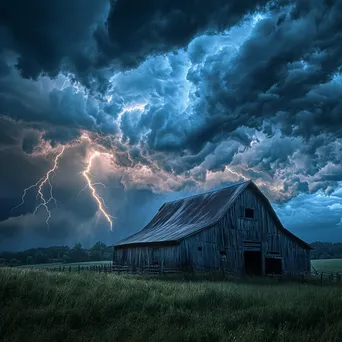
x=100, y=201
x=127, y=109
x=40, y=184
x=130, y=108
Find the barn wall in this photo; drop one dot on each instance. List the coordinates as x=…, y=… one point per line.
x=235, y=229
x=139, y=256
x=200, y=250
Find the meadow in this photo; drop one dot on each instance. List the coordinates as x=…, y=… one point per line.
x=39, y=305
x=327, y=265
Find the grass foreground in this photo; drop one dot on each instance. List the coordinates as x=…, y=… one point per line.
x=38, y=305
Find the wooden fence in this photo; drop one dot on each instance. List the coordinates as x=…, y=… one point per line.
x=104, y=268
x=147, y=269
x=110, y=268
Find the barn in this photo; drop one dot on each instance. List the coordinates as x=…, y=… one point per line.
x=234, y=229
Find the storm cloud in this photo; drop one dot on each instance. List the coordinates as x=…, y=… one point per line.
x=176, y=97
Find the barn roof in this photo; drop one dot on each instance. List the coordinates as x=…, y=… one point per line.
x=178, y=219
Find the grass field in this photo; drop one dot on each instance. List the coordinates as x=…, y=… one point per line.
x=75, y=264
x=327, y=265
x=38, y=305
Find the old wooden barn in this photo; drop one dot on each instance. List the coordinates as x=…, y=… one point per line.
x=233, y=229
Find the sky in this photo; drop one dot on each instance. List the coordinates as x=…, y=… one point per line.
x=110, y=109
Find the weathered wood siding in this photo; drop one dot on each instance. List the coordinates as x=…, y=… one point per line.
x=222, y=245
x=263, y=228
x=139, y=256
x=200, y=250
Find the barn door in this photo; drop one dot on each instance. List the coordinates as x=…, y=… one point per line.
x=252, y=257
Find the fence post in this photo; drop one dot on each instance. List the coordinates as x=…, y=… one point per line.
x=78, y=268
x=69, y=268
x=322, y=278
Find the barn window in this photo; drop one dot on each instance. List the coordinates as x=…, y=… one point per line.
x=249, y=213
x=223, y=252
x=199, y=249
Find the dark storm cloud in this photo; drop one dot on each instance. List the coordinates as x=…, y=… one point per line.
x=59, y=113
x=48, y=33
x=30, y=141
x=52, y=36
x=287, y=65
x=138, y=29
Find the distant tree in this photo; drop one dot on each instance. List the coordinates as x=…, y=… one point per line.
x=77, y=246
x=41, y=258
x=96, y=253
x=65, y=258
x=326, y=250
x=29, y=260
x=99, y=246
x=78, y=254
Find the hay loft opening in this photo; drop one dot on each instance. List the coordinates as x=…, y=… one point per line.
x=249, y=213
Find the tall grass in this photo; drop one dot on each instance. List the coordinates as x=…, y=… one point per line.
x=44, y=306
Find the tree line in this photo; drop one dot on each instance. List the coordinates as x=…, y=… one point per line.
x=326, y=250
x=57, y=254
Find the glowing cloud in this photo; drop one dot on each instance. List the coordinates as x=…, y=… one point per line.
x=131, y=108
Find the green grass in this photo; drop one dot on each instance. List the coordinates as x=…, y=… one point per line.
x=327, y=265
x=38, y=305
x=73, y=265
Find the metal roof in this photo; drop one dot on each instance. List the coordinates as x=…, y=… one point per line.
x=183, y=217
x=178, y=219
